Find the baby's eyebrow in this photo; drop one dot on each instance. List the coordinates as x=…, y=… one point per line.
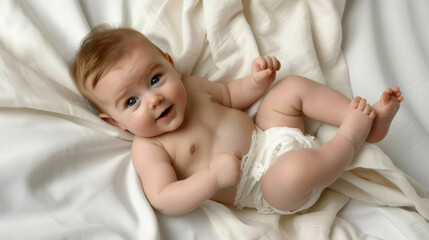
x=152, y=68
x=122, y=90
x=120, y=97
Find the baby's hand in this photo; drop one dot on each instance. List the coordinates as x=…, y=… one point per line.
x=264, y=69
x=225, y=168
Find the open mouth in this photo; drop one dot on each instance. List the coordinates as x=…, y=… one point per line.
x=165, y=113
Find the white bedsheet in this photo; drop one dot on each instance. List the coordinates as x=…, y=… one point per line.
x=66, y=174
x=387, y=44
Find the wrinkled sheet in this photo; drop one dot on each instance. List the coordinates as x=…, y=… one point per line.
x=64, y=173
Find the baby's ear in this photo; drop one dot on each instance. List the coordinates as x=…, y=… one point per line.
x=172, y=63
x=169, y=58
x=110, y=121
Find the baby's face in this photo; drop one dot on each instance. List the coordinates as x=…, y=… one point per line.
x=143, y=94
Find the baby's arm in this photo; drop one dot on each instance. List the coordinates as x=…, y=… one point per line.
x=245, y=91
x=171, y=196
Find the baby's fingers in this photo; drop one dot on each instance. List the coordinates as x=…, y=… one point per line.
x=267, y=62
x=272, y=63
x=259, y=64
x=262, y=75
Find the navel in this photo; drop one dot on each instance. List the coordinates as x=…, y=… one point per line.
x=192, y=149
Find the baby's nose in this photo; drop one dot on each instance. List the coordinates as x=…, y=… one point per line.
x=155, y=101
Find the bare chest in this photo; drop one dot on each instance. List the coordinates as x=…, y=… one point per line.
x=209, y=129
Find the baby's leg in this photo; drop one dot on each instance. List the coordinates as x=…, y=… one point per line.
x=289, y=182
x=385, y=110
x=292, y=97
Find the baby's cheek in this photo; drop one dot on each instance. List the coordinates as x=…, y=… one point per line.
x=145, y=127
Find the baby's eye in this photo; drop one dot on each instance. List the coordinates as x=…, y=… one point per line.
x=154, y=80
x=132, y=101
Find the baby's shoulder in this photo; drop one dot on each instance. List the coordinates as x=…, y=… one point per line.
x=146, y=150
x=199, y=86
x=193, y=79
x=195, y=82
x=146, y=144
x=146, y=141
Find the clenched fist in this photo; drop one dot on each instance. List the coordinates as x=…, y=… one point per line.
x=264, y=69
x=225, y=168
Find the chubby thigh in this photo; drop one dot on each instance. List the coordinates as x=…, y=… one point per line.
x=282, y=106
x=267, y=147
x=294, y=96
x=286, y=185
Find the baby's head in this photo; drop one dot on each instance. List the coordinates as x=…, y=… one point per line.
x=100, y=50
x=131, y=81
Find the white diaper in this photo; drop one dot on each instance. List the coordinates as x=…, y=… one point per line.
x=266, y=147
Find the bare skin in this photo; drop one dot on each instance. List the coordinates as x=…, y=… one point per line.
x=319, y=167
x=385, y=110
x=190, y=134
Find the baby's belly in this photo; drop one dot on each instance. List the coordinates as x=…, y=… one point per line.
x=196, y=148
x=234, y=134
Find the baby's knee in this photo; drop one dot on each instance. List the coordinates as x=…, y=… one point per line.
x=294, y=86
x=292, y=179
x=287, y=191
x=293, y=82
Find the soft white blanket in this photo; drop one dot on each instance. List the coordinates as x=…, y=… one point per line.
x=66, y=174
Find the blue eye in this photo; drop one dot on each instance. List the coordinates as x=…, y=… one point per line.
x=154, y=80
x=132, y=101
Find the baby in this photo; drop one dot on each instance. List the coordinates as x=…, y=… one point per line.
x=192, y=143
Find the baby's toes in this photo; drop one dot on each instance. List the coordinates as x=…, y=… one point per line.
x=396, y=89
x=372, y=114
x=355, y=102
x=399, y=96
x=385, y=97
x=367, y=110
x=362, y=105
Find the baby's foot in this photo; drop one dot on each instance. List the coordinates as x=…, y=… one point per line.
x=385, y=110
x=357, y=122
